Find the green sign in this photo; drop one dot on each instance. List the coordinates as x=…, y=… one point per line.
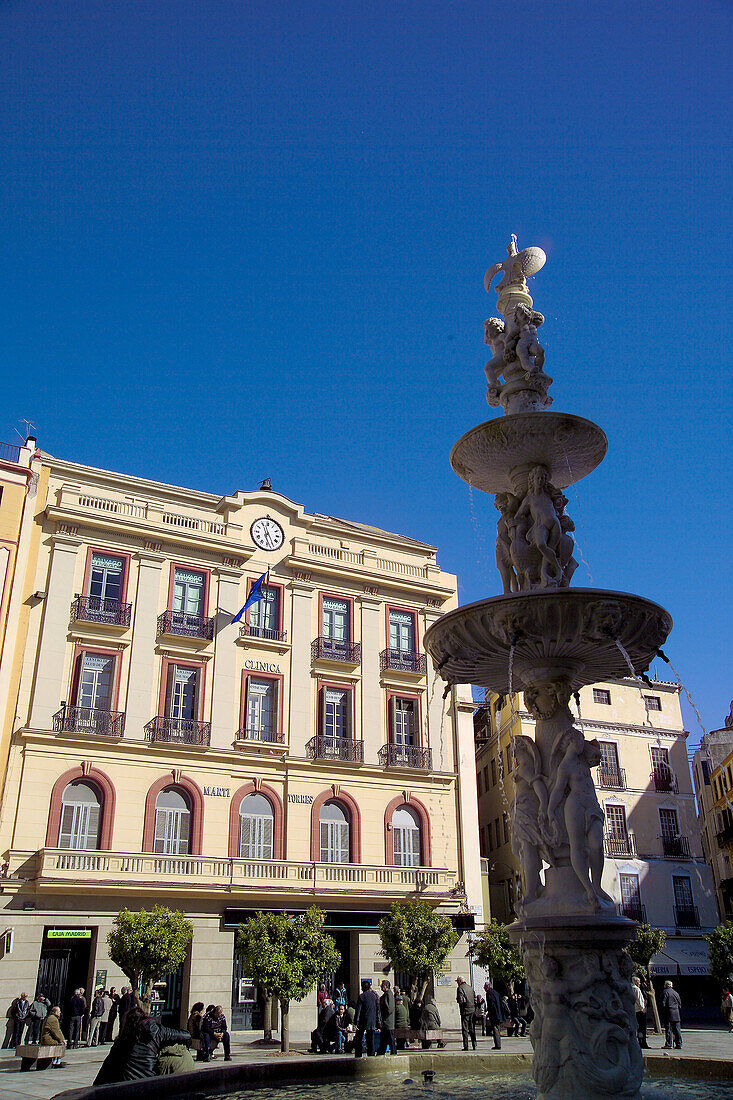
x=100, y=979
x=69, y=934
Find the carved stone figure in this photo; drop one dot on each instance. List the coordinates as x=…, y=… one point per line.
x=545, y=531
x=529, y=352
x=494, y=336
x=504, y=501
x=519, y=357
x=516, y=267
x=729, y=719
x=568, y=564
x=529, y=815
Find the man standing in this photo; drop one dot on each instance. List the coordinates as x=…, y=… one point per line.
x=387, y=1009
x=115, y=998
x=37, y=1013
x=640, y=1007
x=127, y=1000
x=671, y=1005
x=366, y=1020
x=466, y=999
x=21, y=1008
x=77, y=1008
x=95, y=1018
x=494, y=1014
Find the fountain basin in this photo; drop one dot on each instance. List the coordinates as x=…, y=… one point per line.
x=565, y=632
x=496, y=455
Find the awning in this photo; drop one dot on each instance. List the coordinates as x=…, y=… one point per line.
x=681, y=957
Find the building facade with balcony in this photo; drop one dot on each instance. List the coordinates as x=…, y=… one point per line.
x=161, y=752
x=654, y=866
x=712, y=770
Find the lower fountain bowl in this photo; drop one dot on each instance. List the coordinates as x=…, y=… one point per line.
x=568, y=632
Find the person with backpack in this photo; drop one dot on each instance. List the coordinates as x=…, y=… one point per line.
x=37, y=1013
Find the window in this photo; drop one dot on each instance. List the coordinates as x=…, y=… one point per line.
x=486, y=778
x=630, y=896
x=336, y=712
x=172, y=823
x=403, y=722
x=189, y=591
x=336, y=626
x=106, y=579
x=402, y=631
x=600, y=695
x=508, y=760
x=490, y=837
x=493, y=772
x=256, y=827
x=264, y=616
x=478, y=783
x=497, y=834
x=405, y=837
x=335, y=833
x=182, y=693
x=505, y=823
x=616, y=821
x=653, y=702
x=94, y=688
x=261, y=709
x=670, y=824
x=609, y=756
x=81, y=811
x=682, y=892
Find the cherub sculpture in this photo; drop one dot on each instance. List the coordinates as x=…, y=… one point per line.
x=544, y=532
x=528, y=349
x=573, y=804
x=507, y=506
x=529, y=815
x=495, y=337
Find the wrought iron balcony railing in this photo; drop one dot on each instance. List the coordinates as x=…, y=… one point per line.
x=9, y=452
x=328, y=649
x=663, y=778
x=612, y=777
x=184, y=625
x=406, y=756
x=255, y=733
x=676, y=847
x=686, y=916
x=326, y=747
x=402, y=660
x=620, y=844
x=634, y=910
x=246, y=630
x=100, y=609
x=725, y=837
x=104, y=723
x=180, y=731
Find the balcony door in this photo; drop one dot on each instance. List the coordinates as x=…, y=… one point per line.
x=261, y=703
x=609, y=757
x=630, y=896
x=80, y=817
x=105, y=580
x=403, y=723
x=172, y=823
x=616, y=823
x=402, y=632
x=336, y=714
x=670, y=826
x=660, y=762
x=96, y=677
x=181, y=701
x=256, y=827
x=335, y=623
x=264, y=615
x=405, y=838
x=335, y=828
x=188, y=594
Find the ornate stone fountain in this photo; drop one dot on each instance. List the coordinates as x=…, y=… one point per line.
x=547, y=640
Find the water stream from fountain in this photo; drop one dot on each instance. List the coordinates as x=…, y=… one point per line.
x=684, y=688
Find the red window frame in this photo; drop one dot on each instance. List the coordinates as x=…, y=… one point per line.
x=405, y=611
x=418, y=715
x=79, y=650
x=126, y=558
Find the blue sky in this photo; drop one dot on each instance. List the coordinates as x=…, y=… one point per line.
x=242, y=239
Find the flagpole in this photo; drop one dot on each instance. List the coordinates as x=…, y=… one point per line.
x=267, y=588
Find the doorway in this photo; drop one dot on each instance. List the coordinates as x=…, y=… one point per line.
x=64, y=964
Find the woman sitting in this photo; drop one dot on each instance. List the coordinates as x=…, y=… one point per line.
x=134, y=1053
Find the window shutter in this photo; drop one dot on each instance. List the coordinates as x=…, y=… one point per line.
x=65, y=830
x=348, y=713
x=267, y=838
x=324, y=842
x=343, y=839
x=245, y=836
x=415, y=843
x=322, y=711
x=392, y=733
x=397, y=847
x=91, y=839
x=160, y=830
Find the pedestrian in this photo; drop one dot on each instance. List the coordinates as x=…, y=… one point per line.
x=415, y=1009
x=726, y=1006
x=401, y=1016
x=37, y=1013
x=344, y=1031
x=671, y=1006
x=640, y=1009
x=95, y=1018
x=194, y=1025
x=51, y=1035
x=134, y=1053
x=325, y=1034
x=113, y=1012
x=77, y=1008
x=387, y=1013
x=21, y=1008
x=366, y=1019
x=480, y=1014
x=340, y=997
x=127, y=1000
x=214, y=1030
x=494, y=1014
x=523, y=1011
x=321, y=997
x=511, y=1006
x=466, y=999
x=429, y=1021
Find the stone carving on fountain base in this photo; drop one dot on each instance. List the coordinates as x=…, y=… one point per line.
x=584, y=1029
x=534, y=548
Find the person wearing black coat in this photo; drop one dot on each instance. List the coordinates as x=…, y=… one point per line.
x=135, y=1051
x=387, y=1011
x=367, y=1018
x=114, y=1010
x=127, y=1000
x=214, y=1030
x=466, y=999
x=671, y=1016
x=324, y=1036
x=494, y=1013
x=77, y=1008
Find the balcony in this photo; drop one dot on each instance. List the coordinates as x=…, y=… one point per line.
x=325, y=747
x=178, y=731
x=620, y=844
x=401, y=660
x=406, y=756
x=180, y=624
x=725, y=837
x=676, y=847
x=101, y=611
x=58, y=869
x=664, y=779
x=100, y=723
x=344, y=653
x=265, y=633
x=634, y=910
x=265, y=736
x=686, y=916
x=611, y=778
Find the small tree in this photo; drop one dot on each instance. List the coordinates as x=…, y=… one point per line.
x=147, y=946
x=287, y=955
x=720, y=945
x=494, y=951
x=649, y=941
x=416, y=939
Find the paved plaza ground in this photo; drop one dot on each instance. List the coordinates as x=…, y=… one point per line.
x=83, y=1064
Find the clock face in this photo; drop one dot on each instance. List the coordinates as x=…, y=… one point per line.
x=267, y=533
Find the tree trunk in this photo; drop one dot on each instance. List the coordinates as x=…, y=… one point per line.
x=285, y=1027
x=653, y=999
x=267, y=1014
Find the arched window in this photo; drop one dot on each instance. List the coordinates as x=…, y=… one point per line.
x=335, y=827
x=256, y=827
x=81, y=811
x=172, y=823
x=406, y=837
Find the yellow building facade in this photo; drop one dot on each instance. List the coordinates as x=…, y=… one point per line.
x=654, y=864
x=162, y=753
x=712, y=769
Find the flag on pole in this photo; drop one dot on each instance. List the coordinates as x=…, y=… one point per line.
x=255, y=595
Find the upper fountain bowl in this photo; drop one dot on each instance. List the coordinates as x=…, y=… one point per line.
x=568, y=633
x=496, y=455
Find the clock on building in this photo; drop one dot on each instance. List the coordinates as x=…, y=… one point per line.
x=267, y=533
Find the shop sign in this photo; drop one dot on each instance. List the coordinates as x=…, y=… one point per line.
x=69, y=934
x=217, y=792
x=307, y=799
x=262, y=666
x=100, y=979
